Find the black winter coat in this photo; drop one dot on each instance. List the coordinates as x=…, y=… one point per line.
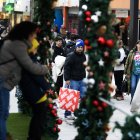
x=73, y=67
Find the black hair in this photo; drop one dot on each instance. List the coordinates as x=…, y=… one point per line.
x=22, y=30
x=58, y=38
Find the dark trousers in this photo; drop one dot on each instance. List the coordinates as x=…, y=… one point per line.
x=59, y=83
x=118, y=76
x=37, y=121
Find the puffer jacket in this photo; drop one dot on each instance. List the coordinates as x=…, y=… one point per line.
x=10, y=72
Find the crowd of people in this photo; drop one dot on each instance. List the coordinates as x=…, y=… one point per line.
x=19, y=66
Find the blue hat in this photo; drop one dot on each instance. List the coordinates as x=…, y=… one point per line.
x=79, y=43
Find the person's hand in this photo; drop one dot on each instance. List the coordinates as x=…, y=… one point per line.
x=127, y=76
x=68, y=82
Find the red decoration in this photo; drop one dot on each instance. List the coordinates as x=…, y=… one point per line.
x=101, y=40
x=88, y=19
x=54, y=129
x=88, y=47
x=58, y=129
x=86, y=42
x=110, y=43
x=53, y=111
x=59, y=121
x=88, y=13
x=50, y=106
x=104, y=104
x=95, y=103
x=100, y=108
x=106, y=54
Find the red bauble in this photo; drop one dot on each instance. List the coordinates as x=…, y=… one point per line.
x=88, y=13
x=104, y=104
x=110, y=43
x=86, y=42
x=50, y=106
x=54, y=129
x=100, y=108
x=95, y=103
x=58, y=129
x=88, y=19
x=88, y=47
x=101, y=40
x=53, y=111
x=59, y=121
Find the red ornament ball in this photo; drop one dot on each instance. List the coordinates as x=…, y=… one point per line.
x=50, y=106
x=54, y=129
x=59, y=121
x=86, y=42
x=104, y=104
x=88, y=19
x=88, y=13
x=101, y=40
x=100, y=108
x=95, y=103
x=58, y=129
x=110, y=43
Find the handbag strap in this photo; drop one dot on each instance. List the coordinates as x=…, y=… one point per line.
x=8, y=61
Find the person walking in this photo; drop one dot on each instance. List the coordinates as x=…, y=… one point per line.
x=58, y=59
x=74, y=70
x=132, y=69
x=119, y=71
x=14, y=57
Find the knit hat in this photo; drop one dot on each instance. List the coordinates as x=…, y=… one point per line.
x=79, y=43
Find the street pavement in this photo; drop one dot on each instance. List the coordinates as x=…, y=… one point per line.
x=68, y=132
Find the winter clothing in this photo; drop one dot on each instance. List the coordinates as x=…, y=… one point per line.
x=70, y=46
x=79, y=43
x=11, y=72
x=34, y=89
x=73, y=67
x=128, y=66
x=58, y=51
x=33, y=86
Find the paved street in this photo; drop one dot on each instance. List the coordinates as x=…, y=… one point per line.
x=68, y=132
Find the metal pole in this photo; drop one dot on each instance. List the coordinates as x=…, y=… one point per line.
x=133, y=27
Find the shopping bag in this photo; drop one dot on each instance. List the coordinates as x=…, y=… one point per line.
x=124, y=87
x=68, y=99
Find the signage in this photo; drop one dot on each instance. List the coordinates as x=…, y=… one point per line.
x=9, y=7
x=121, y=13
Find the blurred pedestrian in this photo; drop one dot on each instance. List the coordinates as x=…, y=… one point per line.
x=132, y=68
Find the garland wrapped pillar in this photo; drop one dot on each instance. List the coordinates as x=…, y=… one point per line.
x=94, y=114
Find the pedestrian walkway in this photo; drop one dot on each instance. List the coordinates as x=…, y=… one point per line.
x=68, y=132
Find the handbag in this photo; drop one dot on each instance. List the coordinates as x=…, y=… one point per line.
x=124, y=87
x=68, y=99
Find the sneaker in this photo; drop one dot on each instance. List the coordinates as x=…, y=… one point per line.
x=70, y=117
x=69, y=121
x=119, y=98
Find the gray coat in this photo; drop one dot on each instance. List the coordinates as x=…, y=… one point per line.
x=11, y=72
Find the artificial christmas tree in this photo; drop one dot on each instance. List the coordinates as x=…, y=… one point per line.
x=93, y=114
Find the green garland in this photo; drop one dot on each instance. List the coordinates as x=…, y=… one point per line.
x=93, y=114
x=131, y=129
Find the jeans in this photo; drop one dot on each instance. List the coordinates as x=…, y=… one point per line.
x=4, y=111
x=78, y=85
x=134, y=82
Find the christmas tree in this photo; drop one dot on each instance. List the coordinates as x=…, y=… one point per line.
x=131, y=129
x=94, y=114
